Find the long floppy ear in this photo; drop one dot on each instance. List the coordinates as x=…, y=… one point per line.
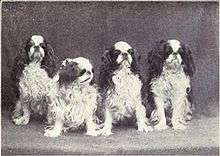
x=188, y=63
x=106, y=70
x=50, y=61
x=20, y=61
x=106, y=58
x=135, y=61
x=156, y=59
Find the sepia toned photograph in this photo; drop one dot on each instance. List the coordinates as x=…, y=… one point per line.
x=110, y=78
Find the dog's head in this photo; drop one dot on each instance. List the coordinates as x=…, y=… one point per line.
x=171, y=55
x=77, y=70
x=39, y=51
x=121, y=55
x=36, y=48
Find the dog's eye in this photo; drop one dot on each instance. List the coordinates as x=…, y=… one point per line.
x=43, y=45
x=169, y=51
x=131, y=51
x=82, y=72
x=30, y=43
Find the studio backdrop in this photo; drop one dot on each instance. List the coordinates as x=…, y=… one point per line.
x=88, y=28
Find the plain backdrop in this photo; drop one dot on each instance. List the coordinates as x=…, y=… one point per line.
x=88, y=28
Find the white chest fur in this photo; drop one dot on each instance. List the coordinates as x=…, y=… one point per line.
x=170, y=84
x=76, y=103
x=126, y=93
x=34, y=82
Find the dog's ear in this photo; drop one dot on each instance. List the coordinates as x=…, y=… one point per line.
x=50, y=60
x=188, y=63
x=135, y=61
x=135, y=55
x=20, y=61
x=106, y=58
x=106, y=70
x=156, y=59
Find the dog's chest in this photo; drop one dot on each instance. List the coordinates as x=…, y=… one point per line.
x=126, y=83
x=171, y=83
x=72, y=95
x=176, y=82
x=34, y=82
x=77, y=102
x=77, y=95
x=125, y=94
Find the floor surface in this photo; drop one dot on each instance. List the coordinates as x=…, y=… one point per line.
x=201, y=137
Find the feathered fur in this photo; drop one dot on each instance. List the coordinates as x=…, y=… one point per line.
x=32, y=83
x=169, y=86
x=121, y=88
x=75, y=102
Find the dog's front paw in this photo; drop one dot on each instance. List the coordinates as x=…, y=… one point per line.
x=16, y=114
x=92, y=133
x=179, y=126
x=52, y=133
x=21, y=120
x=144, y=128
x=105, y=132
x=160, y=126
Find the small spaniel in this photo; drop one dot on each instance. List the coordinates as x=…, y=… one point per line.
x=170, y=69
x=31, y=76
x=121, y=88
x=75, y=102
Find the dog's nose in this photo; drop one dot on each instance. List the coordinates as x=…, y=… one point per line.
x=125, y=55
x=36, y=48
x=175, y=53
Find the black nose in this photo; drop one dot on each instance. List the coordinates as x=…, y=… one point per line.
x=125, y=55
x=175, y=53
x=36, y=48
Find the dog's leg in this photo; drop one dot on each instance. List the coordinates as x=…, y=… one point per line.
x=91, y=126
x=56, y=130
x=50, y=115
x=18, y=110
x=161, y=114
x=141, y=118
x=187, y=111
x=178, y=109
x=106, y=130
x=24, y=119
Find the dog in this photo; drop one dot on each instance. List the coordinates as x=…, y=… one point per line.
x=75, y=102
x=31, y=76
x=170, y=68
x=120, y=84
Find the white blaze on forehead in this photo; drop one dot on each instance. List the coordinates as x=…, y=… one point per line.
x=37, y=39
x=122, y=46
x=175, y=45
x=83, y=63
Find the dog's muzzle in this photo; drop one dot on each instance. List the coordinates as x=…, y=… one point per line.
x=37, y=56
x=125, y=59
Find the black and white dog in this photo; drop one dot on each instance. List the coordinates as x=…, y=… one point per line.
x=75, y=101
x=170, y=67
x=121, y=87
x=31, y=76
